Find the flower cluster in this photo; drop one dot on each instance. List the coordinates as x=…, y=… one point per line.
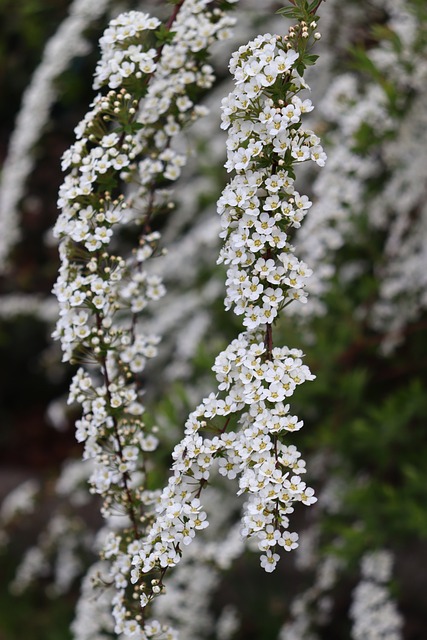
x=100, y=293
x=127, y=137
x=313, y=608
x=119, y=62
x=254, y=377
x=194, y=581
x=374, y=179
x=20, y=500
x=260, y=204
x=373, y=612
x=269, y=471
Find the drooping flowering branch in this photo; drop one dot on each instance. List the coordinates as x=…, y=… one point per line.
x=242, y=428
x=128, y=133
x=153, y=75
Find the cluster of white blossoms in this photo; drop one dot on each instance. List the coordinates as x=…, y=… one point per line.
x=107, y=239
x=192, y=585
x=127, y=137
x=255, y=378
x=134, y=60
x=100, y=293
x=374, y=613
x=56, y=556
x=375, y=175
x=313, y=607
x=20, y=500
x=260, y=204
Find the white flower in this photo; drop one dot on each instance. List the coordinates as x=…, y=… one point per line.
x=269, y=561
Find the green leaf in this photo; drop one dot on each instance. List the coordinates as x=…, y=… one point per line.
x=299, y=10
x=313, y=6
x=362, y=62
x=300, y=67
x=382, y=32
x=310, y=59
x=164, y=35
x=132, y=127
x=287, y=12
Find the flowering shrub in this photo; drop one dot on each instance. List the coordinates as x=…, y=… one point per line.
x=102, y=293
x=126, y=238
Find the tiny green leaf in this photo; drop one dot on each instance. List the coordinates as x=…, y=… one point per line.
x=287, y=12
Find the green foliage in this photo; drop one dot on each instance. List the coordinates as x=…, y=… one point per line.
x=386, y=448
x=300, y=10
x=363, y=64
x=370, y=415
x=163, y=34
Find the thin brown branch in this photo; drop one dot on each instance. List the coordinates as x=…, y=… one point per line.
x=313, y=11
x=130, y=507
x=268, y=341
